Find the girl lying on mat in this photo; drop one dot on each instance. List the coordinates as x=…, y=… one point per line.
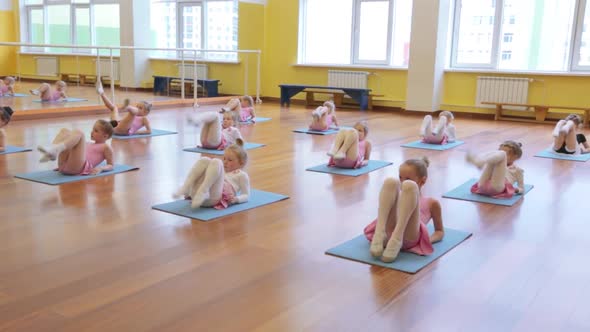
x=324, y=117
x=7, y=86
x=443, y=133
x=135, y=121
x=351, y=149
x=243, y=107
x=499, y=171
x=5, y=115
x=77, y=157
x=213, y=183
x=47, y=94
x=403, y=214
x=567, y=138
x=218, y=130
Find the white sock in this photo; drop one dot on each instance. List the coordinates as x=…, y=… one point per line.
x=34, y=92
x=340, y=155
x=442, y=122
x=391, y=251
x=99, y=88
x=474, y=160
x=198, y=199
x=50, y=152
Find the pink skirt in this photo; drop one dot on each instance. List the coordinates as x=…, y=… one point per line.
x=346, y=163
x=222, y=145
x=421, y=246
x=318, y=127
x=434, y=140
x=487, y=190
x=227, y=195
x=86, y=169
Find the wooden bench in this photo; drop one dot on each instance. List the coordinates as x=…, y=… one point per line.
x=163, y=84
x=540, y=111
x=361, y=96
x=339, y=98
x=78, y=78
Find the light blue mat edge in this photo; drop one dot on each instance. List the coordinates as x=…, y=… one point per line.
x=561, y=156
x=357, y=250
x=16, y=95
x=437, y=147
x=182, y=207
x=54, y=177
x=372, y=166
x=155, y=132
x=248, y=146
x=463, y=193
x=14, y=149
x=60, y=101
x=315, y=132
x=258, y=120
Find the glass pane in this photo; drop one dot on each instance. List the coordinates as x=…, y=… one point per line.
x=82, y=20
x=373, y=28
x=222, y=29
x=163, y=26
x=402, y=26
x=59, y=25
x=585, y=42
x=476, y=30
x=36, y=27
x=106, y=26
x=33, y=2
x=191, y=27
x=536, y=34
x=328, y=30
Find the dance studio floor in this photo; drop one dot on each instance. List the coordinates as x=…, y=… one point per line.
x=93, y=255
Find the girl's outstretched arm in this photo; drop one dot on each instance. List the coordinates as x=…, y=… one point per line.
x=108, y=156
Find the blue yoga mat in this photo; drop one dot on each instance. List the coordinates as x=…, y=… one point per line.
x=358, y=248
x=258, y=120
x=14, y=149
x=562, y=156
x=316, y=132
x=463, y=192
x=247, y=146
x=155, y=132
x=183, y=207
x=55, y=177
x=372, y=166
x=61, y=100
x=16, y=95
x=438, y=147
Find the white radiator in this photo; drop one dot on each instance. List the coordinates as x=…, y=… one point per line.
x=502, y=90
x=104, y=69
x=348, y=79
x=46, y=66
x=189, y=71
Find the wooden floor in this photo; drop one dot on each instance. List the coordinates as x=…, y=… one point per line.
x=93, y=256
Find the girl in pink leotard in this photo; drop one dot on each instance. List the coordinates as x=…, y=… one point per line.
x=324, y=117
x=218, y=131
x=5, y=116
x=351, y=149
x=47, y=94
x=7, y=86
x=134, y=120
x=499, y=171
x=403, y=214
x=242, y=108
x=443, y=133
x=213, y=183
x=77, y=157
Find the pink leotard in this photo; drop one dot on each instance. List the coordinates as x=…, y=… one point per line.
x=422, y=245
x=94, y=156
x=434, y=140
x=348, y=163
x=54, y=96
x=227, y=195
x=247, y=114
x=487, y=190
x=319, y=127
x=3, y=89
x=136, y=124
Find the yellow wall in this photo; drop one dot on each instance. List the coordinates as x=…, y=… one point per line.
x=7, y=34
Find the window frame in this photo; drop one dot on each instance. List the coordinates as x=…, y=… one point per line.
x=73, y=6
x=180, y=5
x=354, y=37
x=571, y=62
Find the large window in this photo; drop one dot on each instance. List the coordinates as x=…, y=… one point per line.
x=196, y=24
x=78, y=22
x=521, y=35
x=355, y=32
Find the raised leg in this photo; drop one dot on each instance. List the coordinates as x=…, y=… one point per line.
x=426, y=128
x=494, y=169
x=386, y=214
x=70, y=149
x=211, y=131
x=350, y=147
x=210, y=190
x=558, y=137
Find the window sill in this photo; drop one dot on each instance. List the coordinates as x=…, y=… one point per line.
x=232, y=62
x=375, y=67
x=66, y=54
x=517, y=72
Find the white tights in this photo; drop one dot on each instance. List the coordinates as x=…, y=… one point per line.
x=204, y=183
x=345, y=145
x=211, y=131
x=565, y=132
x=437, y=133
x=494, y=166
